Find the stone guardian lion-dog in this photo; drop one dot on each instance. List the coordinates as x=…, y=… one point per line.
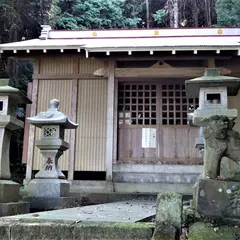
x=221, y=140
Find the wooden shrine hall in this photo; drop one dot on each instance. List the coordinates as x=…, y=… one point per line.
x=126, y=90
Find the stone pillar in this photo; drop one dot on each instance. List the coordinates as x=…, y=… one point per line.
x=50, y=190
x=9, y=190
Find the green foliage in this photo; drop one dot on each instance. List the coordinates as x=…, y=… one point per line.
x=98, y=14
x=159, y=16
x=228, y=12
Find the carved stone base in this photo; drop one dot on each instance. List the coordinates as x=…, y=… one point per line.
x=49, y=194
x=48, y=188
x=214, y=198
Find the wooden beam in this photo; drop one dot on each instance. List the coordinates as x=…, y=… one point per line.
x=69, y=76
x=110, y=120
x=186, y=72
x=165, y=58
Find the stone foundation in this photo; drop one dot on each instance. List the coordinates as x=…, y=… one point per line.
x=9, y=199
x=215, y=198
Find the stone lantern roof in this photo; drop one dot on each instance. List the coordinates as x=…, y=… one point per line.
x=212, y=78
x=52, y=117
x=14, y=93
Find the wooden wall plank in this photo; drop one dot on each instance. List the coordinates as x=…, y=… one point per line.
x=182, y=142
x=91, y=132
x=169, y=142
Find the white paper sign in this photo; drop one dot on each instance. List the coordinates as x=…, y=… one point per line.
x=148, y=138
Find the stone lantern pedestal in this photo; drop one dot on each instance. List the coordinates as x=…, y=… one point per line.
x=50, y=189
x=9, y=191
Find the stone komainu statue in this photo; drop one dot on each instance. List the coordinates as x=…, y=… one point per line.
x=220, y=141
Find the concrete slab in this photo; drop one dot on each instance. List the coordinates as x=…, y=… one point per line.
x=124, y=211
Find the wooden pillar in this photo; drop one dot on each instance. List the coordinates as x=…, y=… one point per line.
x=115, y=121
x=33, y=112
x=211, y=63
x=26, y=125
x=73, y=117
x=110, y=120
x=72, y=143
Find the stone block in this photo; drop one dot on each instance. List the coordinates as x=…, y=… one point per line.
x=5, y=230
x=110, y=231
x=41, y=230
x=169, y=209
x=51, y=188
x=69, y=230
x=164, y=232
x=9, y=191
x=14, y=208
x=215, y=198
x=50, y=203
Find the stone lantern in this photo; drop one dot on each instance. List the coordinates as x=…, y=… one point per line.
x=49, y=189
x=9, y=191
x=213, y=91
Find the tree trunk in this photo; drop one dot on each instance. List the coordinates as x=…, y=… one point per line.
x=195, y=12
x=175, y=14
x=208, y=13
x=147, y=14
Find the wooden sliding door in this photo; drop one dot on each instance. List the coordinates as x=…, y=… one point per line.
x=162, y=107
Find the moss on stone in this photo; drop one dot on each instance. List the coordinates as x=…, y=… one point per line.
x=204, y=231
x=164, y=232
x=113, y=231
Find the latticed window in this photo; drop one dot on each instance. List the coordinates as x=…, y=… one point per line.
x=137, y=104
x=175, y=104
x=151, y=104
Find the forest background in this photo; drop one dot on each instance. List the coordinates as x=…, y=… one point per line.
x=22, y=19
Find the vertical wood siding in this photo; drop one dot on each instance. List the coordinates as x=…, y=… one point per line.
x=57, y=65
x=91, y=133
x=91, y=117
x=234, y=102
x=174, y=144
x=47, y=90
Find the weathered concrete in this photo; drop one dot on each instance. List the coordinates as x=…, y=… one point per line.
x=50, y=203
x=125, y=211
x=128, y=187
x=71, y=230
x=185, y=189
